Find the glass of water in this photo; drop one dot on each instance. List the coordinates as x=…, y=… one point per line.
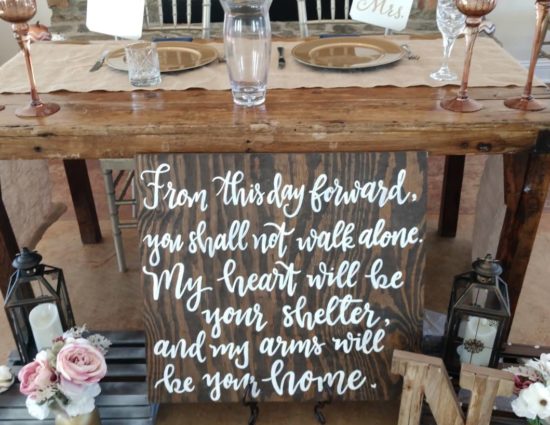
x=247, y=45
x=143, y=64
x=450, y=22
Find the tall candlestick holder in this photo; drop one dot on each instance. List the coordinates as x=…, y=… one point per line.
x=474, y=10
x=18, y=13
x=526, y=102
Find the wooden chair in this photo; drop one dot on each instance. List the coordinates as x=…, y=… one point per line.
x=120, y=192
x=325, y=11
x=165, y=15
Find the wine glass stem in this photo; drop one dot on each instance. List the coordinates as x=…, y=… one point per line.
x=540, y=32
x=22, y=36
x=472, y=30
x=448, y=43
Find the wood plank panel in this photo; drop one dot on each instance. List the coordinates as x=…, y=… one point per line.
x=185, y=284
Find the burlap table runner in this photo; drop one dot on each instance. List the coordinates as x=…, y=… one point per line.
x=65, y=67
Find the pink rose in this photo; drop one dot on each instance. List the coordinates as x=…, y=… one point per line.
x=81, y=363
x=36, y=376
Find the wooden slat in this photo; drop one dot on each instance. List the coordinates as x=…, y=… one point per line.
x=143, y=421
x=109, y=412
x=116, y=372
x=126, y=354
x=353, y=119
x=112, y=394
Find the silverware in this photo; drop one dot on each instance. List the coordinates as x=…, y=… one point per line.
x=410, y=54
x=282, y=61
x=100, y=61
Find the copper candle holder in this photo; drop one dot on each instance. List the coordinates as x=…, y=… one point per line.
x=18, y=12
x=526, y=102
x=474, y=11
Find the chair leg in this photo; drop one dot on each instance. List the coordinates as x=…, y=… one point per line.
x=115, y=222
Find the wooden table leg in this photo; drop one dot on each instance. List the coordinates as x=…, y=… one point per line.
x=450, y=196
x=83, y=200
x=525, y=204
x=8, y=248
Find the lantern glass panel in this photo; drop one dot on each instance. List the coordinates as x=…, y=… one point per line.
x=472, y=339
x=30, y=286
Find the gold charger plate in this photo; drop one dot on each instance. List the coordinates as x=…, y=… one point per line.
x=173, y=56
x=347, y=52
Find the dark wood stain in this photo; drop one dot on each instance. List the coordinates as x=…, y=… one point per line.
x=168, y=319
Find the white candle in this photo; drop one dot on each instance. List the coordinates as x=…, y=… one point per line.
x=45, y=325
x=483, y=333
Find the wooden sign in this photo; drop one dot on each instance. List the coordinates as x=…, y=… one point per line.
x=291, y=275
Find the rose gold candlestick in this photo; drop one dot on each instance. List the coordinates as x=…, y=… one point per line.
x=18, y=12
x=526, y=102
x=474, y=11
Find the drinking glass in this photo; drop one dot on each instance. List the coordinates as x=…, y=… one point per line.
x=247, y=45
x=474, y=10
x=450, y=22
x=526, y=102
x=18, y=12
x=143, y=64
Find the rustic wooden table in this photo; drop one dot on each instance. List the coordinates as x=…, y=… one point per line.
x=121, y=124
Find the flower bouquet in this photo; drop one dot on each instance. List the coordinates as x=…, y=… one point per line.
x=65, y=378
x=532, y=386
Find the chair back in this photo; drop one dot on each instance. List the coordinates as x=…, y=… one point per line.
x=326, y=11
x=164, y=15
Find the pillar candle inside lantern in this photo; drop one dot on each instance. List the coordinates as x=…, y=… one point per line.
x=45, y=325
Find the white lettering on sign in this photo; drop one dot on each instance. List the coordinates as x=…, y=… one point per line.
x=392, y=14
x=290, y=383
x=230, y=249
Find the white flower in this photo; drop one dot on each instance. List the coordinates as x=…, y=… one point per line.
x=81, y=406
x=42, y=356
x=532, y=402
x=5, y=373
x=75, y=392
x=38, y=411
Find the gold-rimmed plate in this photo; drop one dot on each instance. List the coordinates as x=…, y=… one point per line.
x=347, y=52
x=173, y=56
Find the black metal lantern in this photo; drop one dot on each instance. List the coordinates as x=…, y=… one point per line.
x=37, y=304
x=479, y=312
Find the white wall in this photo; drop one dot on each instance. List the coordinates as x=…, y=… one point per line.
x=8, y=45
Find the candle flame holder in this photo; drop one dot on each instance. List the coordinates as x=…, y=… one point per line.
x=474, y=11
x=18, y=12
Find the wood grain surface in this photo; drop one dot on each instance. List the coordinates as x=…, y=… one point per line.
x=381, y=119
x=399, y=311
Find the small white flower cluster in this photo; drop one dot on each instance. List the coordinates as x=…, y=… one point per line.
x=532, y=383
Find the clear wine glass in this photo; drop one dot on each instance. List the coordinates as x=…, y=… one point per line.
x=450, y=22
x=18, y=13
x=474, y=10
